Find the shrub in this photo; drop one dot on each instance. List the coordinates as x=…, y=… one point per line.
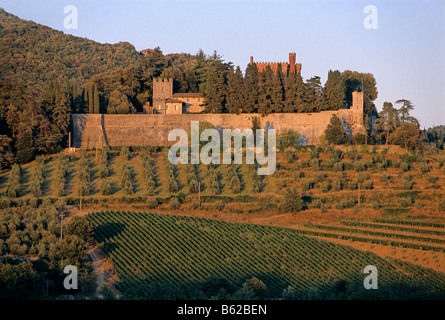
x=174, y=203
x=339, y=166
x=424, y=167
x=404, y=166
x=431, y=179
x=407, y=185
x=292, y=201
x=361, y=177
x=325, y=187
x=290, y=156
x=219, y=205
x=194, y=186
x=336, y=185
x=125, y=153
x=359, y=166
x=441, y=205
x=367, y=185
x=352, y=185
x=105, y=187
x=348, y=203
x=235, y=184
x=319, y=177
x=318, y=203
x=304, y=163
x=172, y=185
x=307, y=184
x=315, y=163
x=151, y=203
x=395, y=163
x=406, y=201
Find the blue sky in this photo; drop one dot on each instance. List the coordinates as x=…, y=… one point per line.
x=406, y=53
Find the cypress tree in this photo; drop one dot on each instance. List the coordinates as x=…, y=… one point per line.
x=24, y=145
x=96, y=100
x=294, y=93
x=215, y=91
x=277, y=91
x=234, y=102
x=250, y=89
x=265, y=91
x=90, y=99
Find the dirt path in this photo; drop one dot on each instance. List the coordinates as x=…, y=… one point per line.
x=103, y=269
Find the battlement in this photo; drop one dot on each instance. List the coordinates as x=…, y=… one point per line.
x=166, y=80
x=287, y=68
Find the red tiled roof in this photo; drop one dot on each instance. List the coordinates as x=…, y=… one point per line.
x=188, y=95
x=170, y=100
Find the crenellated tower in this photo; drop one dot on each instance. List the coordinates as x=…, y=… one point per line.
x=287, y=68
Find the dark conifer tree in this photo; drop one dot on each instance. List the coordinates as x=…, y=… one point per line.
x=215, y=91
x=234, y=102
x=250, y=89
x=265, y=91
x=24, y=145
x=335, y=91
x=277, y=91
x=294, y=93
x=96, y=102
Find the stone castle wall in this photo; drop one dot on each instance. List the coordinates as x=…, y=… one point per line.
x=95, y=130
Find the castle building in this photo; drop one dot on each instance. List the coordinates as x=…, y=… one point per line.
x=286, y=67
x=167, y=102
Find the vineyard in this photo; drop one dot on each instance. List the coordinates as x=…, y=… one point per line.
x=176, y=252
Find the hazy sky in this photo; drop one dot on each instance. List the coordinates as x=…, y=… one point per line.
x=406, y=53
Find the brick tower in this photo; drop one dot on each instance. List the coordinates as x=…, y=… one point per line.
x=162, y=90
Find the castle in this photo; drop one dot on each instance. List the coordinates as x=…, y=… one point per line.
x=167, y=102
x=286, y=67
x=177, y=110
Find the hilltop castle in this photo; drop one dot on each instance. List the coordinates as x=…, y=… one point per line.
x=286, y=67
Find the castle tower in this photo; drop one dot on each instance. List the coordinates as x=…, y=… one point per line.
x=357, y=108
x=162, y=90
x=292, y=62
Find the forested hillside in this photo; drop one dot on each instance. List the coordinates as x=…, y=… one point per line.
x=36, y=54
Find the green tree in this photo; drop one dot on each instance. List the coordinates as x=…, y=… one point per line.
x=334, y=132
x=388, y=120
x=406, y=135
x=234, y=101
x=250, y=89
x=24, y=145
x=257, y=287
x=277, y=91
x=81, y=227
x=118, y=103
x=335, y=90
x=96, y=100
x=292, y=201
x=265, y=101
x=313, y=95
x=215, y=91
x=404, y=112
x=294, y=93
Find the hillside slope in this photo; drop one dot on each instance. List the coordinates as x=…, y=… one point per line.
x=37, y=54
